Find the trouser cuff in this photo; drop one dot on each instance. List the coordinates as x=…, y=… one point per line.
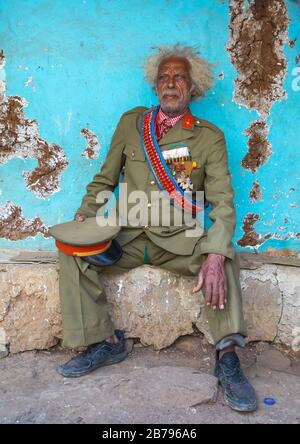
x=230, y=341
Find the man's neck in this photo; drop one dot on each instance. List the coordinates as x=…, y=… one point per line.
x=174, y=114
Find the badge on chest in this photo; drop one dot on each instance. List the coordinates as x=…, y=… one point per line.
x=181, y=165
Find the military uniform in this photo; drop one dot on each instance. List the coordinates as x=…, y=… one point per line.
x=84, y=309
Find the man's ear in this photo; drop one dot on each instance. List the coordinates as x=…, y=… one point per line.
x=193, y=91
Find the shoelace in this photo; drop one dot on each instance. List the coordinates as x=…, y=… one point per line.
x=235, y=373
x=93, y=348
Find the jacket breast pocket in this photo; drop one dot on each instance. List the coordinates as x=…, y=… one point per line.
x=135, y=168
x=134, y=153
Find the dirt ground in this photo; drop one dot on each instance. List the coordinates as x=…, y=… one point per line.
x=32, y=391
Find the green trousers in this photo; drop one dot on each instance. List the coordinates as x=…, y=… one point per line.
x=83, y=301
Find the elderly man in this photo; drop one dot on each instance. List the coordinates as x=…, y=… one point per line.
x=141, y=139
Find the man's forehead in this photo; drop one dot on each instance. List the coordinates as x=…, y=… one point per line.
x=174, y=62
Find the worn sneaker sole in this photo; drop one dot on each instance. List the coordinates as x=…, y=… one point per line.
x=114, y=360
x=239, y=408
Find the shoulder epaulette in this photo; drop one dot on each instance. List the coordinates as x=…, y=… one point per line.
x=205, y=123
x=136, y=110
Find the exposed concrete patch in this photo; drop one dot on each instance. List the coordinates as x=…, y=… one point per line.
x=19, y=137
x=258, y=32
x=250, y=237
x=255, y=193
x=258, y=144
x=93, y=147
x=14, y=226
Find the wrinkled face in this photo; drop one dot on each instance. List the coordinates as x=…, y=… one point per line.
x=174, y=85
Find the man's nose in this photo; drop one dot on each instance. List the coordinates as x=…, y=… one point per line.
x=171, y=82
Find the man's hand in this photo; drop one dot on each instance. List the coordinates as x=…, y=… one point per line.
x=212, y=275
x=79, y=217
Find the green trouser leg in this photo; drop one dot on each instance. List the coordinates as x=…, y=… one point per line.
x=222, y=323
x=83, y=303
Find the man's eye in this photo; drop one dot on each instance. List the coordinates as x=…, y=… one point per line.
x=179, y=77
x=162, y=77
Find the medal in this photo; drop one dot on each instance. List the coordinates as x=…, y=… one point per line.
x=181, y=169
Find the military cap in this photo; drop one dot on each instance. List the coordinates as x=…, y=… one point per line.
x=93, y=240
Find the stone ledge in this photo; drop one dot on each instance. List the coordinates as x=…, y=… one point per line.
x=152, y=304
x=247, y=260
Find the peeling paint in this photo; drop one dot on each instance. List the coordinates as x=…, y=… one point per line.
x=70, y=101
x=2, y=80
x=259, y=147
x=28, y=81
x=93, y=147
x=19, y=137
x=285, y=252
x=14, y=226
x=250, y=237
x=255, y=193
x=258, y=32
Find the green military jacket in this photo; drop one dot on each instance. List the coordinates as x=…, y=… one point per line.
x=126, y=158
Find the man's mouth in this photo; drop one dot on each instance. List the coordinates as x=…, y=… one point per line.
x=170, y=96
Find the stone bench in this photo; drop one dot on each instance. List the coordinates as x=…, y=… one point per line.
x=152, y=304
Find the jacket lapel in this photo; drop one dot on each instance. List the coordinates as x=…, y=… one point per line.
x=184, y=129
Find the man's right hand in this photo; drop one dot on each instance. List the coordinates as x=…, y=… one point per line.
x=79, y=217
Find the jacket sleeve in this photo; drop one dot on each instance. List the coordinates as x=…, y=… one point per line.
x=219, y=193
x=108, y=177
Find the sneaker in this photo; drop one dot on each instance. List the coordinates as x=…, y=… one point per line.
x=238, y=392
x=95, y=356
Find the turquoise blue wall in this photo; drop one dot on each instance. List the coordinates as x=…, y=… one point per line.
x=86, y=60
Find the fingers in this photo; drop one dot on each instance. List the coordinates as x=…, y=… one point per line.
x=221, y=303
x=199, y=282
x=208, y=291
x=215, y=295
x=79, y=217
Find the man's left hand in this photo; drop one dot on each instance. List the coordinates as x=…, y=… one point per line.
x=212, y=275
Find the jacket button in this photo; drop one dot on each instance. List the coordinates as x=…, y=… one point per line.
x=149, y=205
x=152, y=182
x=146, y=226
